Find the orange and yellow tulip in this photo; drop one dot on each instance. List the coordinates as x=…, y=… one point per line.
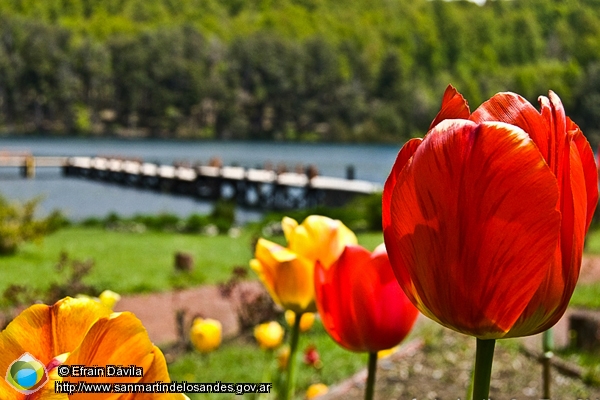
x=485, y=217
x=81, y=332
x=287, y=272
x=360, y=302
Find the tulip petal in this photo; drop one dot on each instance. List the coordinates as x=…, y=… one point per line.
x=454, y=106
x=48, y=392
x=288, y=225
x=156, y=373
x=294, y=285
x=552, y=298
x=474, y=225
x=269, y=256
x=335, y=293
x=515, y=110
x=119, y=339
x=405, y=153
x=47, y=331
x=321, y=238
x=360, y=302
x=589, y=167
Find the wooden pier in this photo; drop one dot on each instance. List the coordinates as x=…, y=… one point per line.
x=249, y=187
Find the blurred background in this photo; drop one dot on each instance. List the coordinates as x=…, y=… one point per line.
x=285, y=70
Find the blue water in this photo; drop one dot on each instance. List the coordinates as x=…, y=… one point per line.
x=80, y=199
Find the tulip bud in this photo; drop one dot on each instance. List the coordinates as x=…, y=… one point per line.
x=306, y=321
x=206, y=334
x=269, y=335
x=312, y=358
x=316, y=390
x=283, y=356
x=109, y=298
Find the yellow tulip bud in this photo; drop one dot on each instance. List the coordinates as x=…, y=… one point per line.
x=109, y=298
x=283, y=356
x=306, y=321
x=269, y=335
x=316, y=390
x=206, y=334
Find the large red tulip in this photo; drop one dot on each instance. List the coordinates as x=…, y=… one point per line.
x=360, y=302
x=485, y=217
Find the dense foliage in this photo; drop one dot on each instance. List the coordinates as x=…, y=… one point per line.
x=285, y=69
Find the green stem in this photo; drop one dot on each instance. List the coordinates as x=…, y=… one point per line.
x=483, y=368
x=266, y=372
x=292, y=366
x=370, y=389
x=547, y=346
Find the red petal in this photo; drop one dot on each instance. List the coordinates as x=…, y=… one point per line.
x=454, y=106
x=333, y=294
x=590, y=169
x=404, y=155
x=474, y=225
x=515, y=110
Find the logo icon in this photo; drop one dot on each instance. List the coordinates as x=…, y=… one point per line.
x=26, y=374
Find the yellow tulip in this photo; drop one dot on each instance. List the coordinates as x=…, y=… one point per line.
x=283, y=356
x=269, y=335
x=109, y=298
x=206, y=334
x=316, y=390
x=306, y=321
x=287, y=273
x=79, y=332
x=318, y=238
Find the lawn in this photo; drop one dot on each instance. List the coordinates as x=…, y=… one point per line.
x=588, y=295
x=134, y=262
x=224, y=364
x=143, y=262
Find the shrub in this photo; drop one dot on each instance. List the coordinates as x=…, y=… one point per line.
x=18, y=224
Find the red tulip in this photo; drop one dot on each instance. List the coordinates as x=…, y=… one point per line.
x=485, y=217
x=360, y=302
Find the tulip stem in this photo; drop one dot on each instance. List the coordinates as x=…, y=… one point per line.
x=292, y=366
x=547, y=345
x=372, y=370
x=484, y=358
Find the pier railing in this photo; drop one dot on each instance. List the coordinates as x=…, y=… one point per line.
x=250, y=187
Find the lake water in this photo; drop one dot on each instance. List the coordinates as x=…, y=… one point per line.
x=80, y=198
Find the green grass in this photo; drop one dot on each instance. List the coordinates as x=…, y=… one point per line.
x=258, y=366
x=592, y=242
x=588, y=295
x=134, y=262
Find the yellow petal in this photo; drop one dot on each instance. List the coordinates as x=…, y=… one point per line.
x=269, y=257
x=288, y=225
x=321, y=238
x=109, y=298
x=294, y=286
x=157, y=372
x=306, y=321
x=119, y=339
x=45, y=332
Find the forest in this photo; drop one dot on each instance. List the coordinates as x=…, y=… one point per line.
x=290, y=70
